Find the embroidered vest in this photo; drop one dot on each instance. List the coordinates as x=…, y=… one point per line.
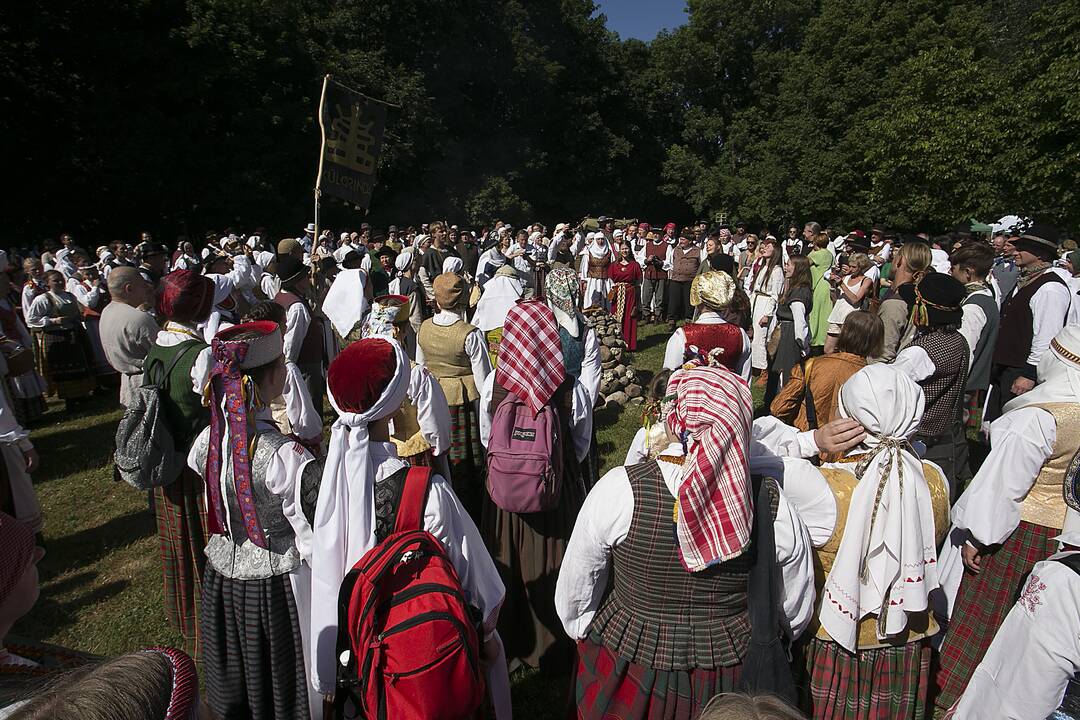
x=1016, y=329
x=235, y=556
x=685, y=265
x=944, y=390
x=842, y=483
x=658, y=614
x=725, y=337
x=445, y=357
x=1045, y=502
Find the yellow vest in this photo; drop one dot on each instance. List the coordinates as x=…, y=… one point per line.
x=842, y=483
x=407, y=436
x=1045, y=502
x=445, y=357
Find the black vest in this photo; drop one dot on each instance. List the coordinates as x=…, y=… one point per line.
x=979, y=374
x=1017, y=330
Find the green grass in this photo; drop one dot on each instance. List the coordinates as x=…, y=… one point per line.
x=101, y=587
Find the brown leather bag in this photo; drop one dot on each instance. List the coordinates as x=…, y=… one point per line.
x=20, y=360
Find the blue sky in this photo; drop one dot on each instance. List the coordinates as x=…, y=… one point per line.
x=642, y=19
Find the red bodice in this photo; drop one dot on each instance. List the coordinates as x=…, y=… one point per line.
x=725, y=336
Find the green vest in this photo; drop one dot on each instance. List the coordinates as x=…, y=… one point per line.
x=184, y=409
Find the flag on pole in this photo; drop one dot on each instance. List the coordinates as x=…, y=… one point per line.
x=352, y=129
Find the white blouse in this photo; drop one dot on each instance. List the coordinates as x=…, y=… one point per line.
x=604, y=521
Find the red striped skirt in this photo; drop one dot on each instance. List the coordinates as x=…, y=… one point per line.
x=609, y=687
x=874, y=684
x=982, y=603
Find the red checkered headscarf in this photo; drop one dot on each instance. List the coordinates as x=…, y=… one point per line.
x=712, y=412
x=530, y=354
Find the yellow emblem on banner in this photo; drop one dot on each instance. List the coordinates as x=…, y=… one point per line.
x=350, y=141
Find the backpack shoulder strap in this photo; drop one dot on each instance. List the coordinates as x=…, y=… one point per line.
x=410, y=514
x=185, y=347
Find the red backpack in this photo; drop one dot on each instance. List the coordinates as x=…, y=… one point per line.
x=408, y=646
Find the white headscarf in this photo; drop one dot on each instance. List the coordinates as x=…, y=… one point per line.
x=452, y=265
x=600, y=246
x=345, y=303
x=1059, y=372
x=887, y=561
x=344, y=524
x=500, y=294
x=403, y=260
x=263, y=258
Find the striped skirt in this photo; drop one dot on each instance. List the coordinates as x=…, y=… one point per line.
x=466, y=456
x=181, y=523
x=609, y=687
x=982, y=603
x=253, y=653
x=876, y=684
x=64, y=360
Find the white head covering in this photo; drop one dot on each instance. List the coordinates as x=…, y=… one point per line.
x=263, y=258
x=534, y=237
x=344, y=524
x=500, y=294
x=452, y=265
x=887, y=561
x=1059, y=372
x=403, y=260
x=345, y=304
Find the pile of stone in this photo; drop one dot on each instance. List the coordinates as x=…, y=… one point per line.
x=619, y=382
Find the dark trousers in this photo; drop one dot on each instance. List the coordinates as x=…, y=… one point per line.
x=653, y=293
x=941, y=450
x=679, y=301
x=1001, y=380
x=773, y=383
x=315, y=378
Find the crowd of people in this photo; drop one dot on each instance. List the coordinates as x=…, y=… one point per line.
x=892, y=533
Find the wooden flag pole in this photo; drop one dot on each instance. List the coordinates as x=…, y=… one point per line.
x=318, y=178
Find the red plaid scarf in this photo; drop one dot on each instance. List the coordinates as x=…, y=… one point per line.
x=712, y=413
x=530, y=355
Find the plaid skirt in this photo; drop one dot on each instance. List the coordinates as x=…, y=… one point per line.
x=63, y=358
x=875, y=684
x=982, y=603
x=253, y=653
x=609, y=687
x=181, y=522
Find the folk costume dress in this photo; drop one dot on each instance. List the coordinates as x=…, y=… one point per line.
x=875, y=519
x=627, y=278
x=709, y=337
x=92, y=300
x=361, y=485
x=62, y=347
x=27, y=390
x=529, y=548
x=257, y=585
x=17, y=496
x=595, y=260
x=455, y=352
x=666, y=639
x=1013, y=510
x=180, y=507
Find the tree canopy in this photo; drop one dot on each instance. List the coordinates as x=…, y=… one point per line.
x=186, y=115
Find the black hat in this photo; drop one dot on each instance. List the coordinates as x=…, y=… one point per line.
x=935, y=300
x=149, y=249
x=602, y=219
x=364, y=226
x=392, y=228
x=378, y=236
x=1040, y=234
x=353, y=257
x=386, y=251
x=289, y=269
x=740, y=224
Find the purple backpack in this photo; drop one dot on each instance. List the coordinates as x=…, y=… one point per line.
x=524, y=457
